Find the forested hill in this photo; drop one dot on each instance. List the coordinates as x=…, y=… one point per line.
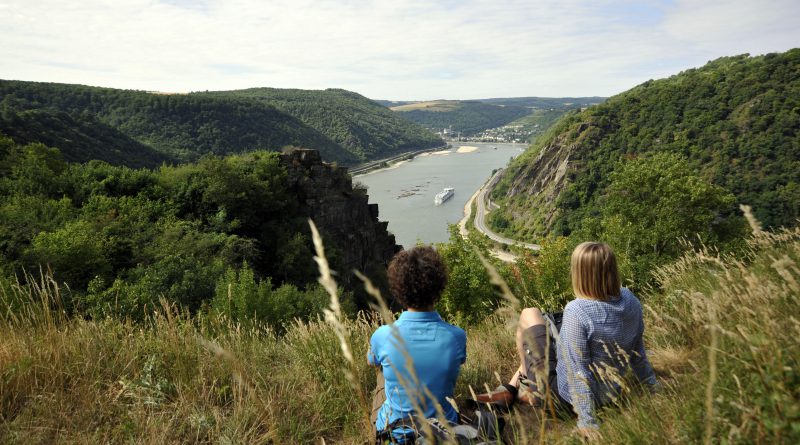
x=470, y=117
x=79, y=136
x=734, y=123
x=467, y=117
x=360, y=125
x=139, y=128
x=179, y=126
x=545, y=102
x=230, y=232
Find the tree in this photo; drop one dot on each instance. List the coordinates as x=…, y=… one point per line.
x=656, y=206
x=469, y=295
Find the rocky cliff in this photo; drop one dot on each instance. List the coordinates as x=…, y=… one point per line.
x=354, y=237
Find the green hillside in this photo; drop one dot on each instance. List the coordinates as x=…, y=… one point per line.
x=466, y=117
x=358, y=124
x=733, y=123
x=138, y=128
x=182, y=126
x=121, y=239
x=80, y=137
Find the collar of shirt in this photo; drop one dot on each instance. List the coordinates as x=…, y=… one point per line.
x=419, y=316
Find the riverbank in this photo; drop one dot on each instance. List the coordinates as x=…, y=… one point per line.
x=389, y=162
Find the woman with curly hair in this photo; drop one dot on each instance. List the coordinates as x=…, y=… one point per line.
x=420, y=355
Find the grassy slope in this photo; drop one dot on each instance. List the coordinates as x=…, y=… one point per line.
x=727, y=324
x=431, y=105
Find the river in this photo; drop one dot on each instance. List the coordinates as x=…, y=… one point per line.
x=404, y=192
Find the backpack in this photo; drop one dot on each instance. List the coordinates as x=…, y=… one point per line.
x=483, y=429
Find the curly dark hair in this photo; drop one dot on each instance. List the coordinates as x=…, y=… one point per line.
x=417, y=277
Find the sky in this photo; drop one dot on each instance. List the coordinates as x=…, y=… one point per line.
x=384, y=49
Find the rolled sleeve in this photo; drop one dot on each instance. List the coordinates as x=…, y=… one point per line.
x=462, y=347
x=372, y=354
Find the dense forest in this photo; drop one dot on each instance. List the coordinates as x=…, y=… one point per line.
x=356, y=123
x=731, y=126
x=79, y=136
x=147, y=128
x=225, y=233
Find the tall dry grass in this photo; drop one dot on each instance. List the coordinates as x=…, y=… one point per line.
x=723, y=334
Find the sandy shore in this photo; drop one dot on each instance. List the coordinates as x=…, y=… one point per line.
x=435, y=153
x=466, y=149
x=462, y=225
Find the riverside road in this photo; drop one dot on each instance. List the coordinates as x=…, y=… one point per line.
x=480, y=217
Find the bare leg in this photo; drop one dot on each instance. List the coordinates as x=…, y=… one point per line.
x=509, y=393
x=529, y=317
x=378, y=397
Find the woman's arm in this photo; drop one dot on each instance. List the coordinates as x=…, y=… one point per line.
x=641, y=366
x=574, y=341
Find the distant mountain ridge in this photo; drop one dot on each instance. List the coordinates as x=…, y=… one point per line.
x=146, y=129
x=469, y=117
x=737, y=119
x=466, y=117
x=546, y=102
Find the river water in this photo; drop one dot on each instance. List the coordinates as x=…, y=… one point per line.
x=404, y=192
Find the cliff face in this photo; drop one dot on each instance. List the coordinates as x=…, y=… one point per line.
x=354, y=237
x=531, y=187
x=543, y=180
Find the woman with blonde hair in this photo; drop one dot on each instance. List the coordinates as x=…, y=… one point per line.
x=597, y=341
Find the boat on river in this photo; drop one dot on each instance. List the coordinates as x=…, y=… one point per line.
x=444, y=195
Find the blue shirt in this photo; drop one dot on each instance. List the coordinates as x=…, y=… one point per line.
x=421, y=356
x=600, y=341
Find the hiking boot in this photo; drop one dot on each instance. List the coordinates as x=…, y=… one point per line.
x=528, y=398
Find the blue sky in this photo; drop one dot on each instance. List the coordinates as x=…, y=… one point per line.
x=396, y=49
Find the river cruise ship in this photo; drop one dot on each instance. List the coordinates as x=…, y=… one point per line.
x=444, y=195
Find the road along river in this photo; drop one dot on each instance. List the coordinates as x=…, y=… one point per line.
x=404, y=192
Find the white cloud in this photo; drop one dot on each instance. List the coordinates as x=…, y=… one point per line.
x=392, y=49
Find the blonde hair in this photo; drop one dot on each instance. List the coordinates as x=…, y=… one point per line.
x=594, y=271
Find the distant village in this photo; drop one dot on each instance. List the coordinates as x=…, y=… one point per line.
x=515, y=132
x=518, y=133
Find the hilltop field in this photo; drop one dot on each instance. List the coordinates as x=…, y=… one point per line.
x=720, y=332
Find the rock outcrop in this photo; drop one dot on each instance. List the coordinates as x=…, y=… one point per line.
x=354, y=237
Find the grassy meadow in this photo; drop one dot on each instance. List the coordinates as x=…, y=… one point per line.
x=722, y=332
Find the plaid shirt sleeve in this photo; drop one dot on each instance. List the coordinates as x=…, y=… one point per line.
x=574, y=339
x=640, y=364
